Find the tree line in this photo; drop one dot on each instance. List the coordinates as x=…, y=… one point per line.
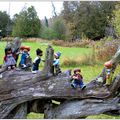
x=78, y=20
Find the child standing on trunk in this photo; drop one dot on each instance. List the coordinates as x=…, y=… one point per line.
x=9, y=59
x=37, y=60
x=25, y=55
x=56, y=63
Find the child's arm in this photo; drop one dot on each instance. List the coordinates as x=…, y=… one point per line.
x=5, y=59
x=56, y=62
x=42, y=60
x=75, y=77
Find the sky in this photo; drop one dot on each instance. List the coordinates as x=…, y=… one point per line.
x=43, y=8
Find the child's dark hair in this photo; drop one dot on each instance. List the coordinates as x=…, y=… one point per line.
x=39, y=52
x=7, y=49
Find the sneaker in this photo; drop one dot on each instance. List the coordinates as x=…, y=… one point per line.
x=13, y=67
x=1, y=76
x=83, y=87
x=23, y=66
x=9, y=67
x=73, y=86
x=34, y=72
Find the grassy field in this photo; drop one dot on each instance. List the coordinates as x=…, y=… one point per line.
x=88, y=72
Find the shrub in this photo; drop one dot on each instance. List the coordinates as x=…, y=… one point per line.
x=7, y=39
x=106, y=50
x=82, y=60
x=82, y=43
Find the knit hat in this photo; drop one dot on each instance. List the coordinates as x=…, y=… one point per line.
x=57, y=54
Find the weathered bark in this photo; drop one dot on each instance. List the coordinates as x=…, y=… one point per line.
x=33, y=86
x=19, y=112
x=21, y=88
x=82, y=108
x=48, y=67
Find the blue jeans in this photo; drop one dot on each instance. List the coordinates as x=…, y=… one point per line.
x=77, y=82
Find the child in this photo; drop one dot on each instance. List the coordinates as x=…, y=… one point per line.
x=108, y=68
x=9, y=59
x=56, y=63
x=25, y=54
x=37, y=60
x=77, y=79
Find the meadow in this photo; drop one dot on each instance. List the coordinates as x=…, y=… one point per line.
x=89, y=72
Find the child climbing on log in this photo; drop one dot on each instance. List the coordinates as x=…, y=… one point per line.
x=9, y=60
x=56, y=63
x=37, y=60
x=109, y=73
x=77, y=79
x=25, y=57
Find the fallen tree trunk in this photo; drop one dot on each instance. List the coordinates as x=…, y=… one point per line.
x=18, y=87
x=82, y=108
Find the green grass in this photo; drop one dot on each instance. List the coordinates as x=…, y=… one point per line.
x=102, y=116
x=88, y=72
x=35, y=116
x=66, y=51
x=2, y=46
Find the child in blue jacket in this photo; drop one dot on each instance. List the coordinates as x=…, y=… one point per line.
x=56, y=63
x=25, y=54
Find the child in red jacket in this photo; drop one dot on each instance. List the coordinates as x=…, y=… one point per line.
x=77, y=79
x=9, y=59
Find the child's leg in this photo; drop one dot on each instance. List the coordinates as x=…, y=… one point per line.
x=1, y=75
x=34, y=69
x=82, y=86
x=109, y=79
x=57, y=69
x=74, y=84
x=12, y=66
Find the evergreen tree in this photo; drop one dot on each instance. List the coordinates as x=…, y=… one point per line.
x=116, y=19
x=88, y=18
x=59, y=29
x=46, y=22
x=4, y=18
x=26, y=23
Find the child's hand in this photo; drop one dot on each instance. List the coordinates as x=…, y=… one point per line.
x=43, y=60
x=75, y=77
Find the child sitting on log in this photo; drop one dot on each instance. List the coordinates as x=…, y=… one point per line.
x=37, y=60
x=77, y=79
x=56, y=63
x=25, y=55
x=9, y=60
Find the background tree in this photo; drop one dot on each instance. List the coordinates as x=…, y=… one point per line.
x=47, y=33
x=59, y=28
x=116, y=19
x=55, y=30
x=46, y=22
x=54, y=9
x=26, y=23
x=89, y=18
x=4, y=18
